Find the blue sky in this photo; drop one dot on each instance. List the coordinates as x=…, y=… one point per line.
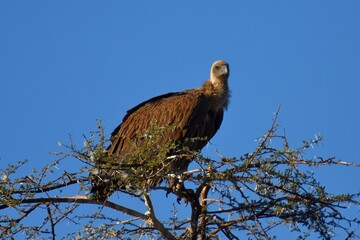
x=66, y=64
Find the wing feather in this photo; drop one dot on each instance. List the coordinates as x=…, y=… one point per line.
x=185, y=111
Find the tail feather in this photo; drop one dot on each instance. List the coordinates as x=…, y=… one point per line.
x=99, y=189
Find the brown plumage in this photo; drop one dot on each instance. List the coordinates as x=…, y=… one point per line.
x=189, y=119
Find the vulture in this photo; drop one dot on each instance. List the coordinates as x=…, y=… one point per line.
x=162, y=135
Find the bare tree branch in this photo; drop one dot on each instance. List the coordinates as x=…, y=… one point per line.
x=153, y=219
x=228, y=198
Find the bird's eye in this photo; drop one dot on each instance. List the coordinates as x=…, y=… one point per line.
x=217, y=67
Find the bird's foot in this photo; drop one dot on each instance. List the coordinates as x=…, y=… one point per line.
x=177, y=187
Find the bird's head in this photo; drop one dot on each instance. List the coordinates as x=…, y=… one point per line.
x=219, y=72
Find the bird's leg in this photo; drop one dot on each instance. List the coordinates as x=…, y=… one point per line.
x=178, y=188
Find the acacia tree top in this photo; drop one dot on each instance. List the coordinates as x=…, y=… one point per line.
x=247, y=196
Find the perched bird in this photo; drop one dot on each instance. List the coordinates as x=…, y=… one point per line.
x=167, y=130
